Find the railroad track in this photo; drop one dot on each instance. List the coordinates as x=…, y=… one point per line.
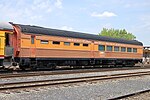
x=130, y=95
x=61, y=72
x=41, y=83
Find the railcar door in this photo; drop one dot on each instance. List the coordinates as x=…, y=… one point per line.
x=8, y=50
x=92, y=50
x=33, y=47
x=8, y=45
x=92, y=61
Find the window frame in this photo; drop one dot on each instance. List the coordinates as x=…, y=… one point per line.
x=128, y=48
x=67, y=43
x=118, y=48
x=32, y=39
x=134, y=49
x=101, y=49
x=44, y=42
x=76, y=44
x=123, y=50
x=56, y=42
x=108, y=49
x=85, y=45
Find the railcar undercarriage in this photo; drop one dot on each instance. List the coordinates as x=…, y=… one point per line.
x=41, y=63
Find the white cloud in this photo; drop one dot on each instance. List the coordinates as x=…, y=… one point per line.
x=28, y=11
x=103, y=15
x=58, y=3
x=137, y=4
x=66, y=28
x=42, y=5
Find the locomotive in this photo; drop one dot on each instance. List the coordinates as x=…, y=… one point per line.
x=37, y=47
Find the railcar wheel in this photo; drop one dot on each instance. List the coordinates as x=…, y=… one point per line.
x=51, y=66
x=22, y=67
x=9, y=63
x=34, y=68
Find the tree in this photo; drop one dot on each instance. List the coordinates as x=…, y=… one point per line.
x=116, y=33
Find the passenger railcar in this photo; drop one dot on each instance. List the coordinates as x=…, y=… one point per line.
x=37, y=47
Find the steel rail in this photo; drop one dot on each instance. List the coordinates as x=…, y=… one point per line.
x=29, y=74
x=40, y=83
x=130, y=95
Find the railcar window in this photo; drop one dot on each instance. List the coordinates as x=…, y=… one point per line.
x=109, y=48
x=76, y=44
x=67, y=43
x=116, y=48
x=101, y=47
x=123, y=49
x=44, y=41
x=7, y=39
x=134, y=49
x=129, y=49
x=56, y=42
x=85, y=45
x=32, y=39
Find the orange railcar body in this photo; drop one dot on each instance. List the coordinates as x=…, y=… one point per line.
x=50, y=50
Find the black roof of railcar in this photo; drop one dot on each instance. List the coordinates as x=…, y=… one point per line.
x=63, y=33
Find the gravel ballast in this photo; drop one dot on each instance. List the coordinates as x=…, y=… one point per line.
x=50, y=77
x=100, y=90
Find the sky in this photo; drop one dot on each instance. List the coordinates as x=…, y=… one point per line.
x=88, y=16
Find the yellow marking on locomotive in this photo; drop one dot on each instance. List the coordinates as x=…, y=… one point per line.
x=2, y=41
